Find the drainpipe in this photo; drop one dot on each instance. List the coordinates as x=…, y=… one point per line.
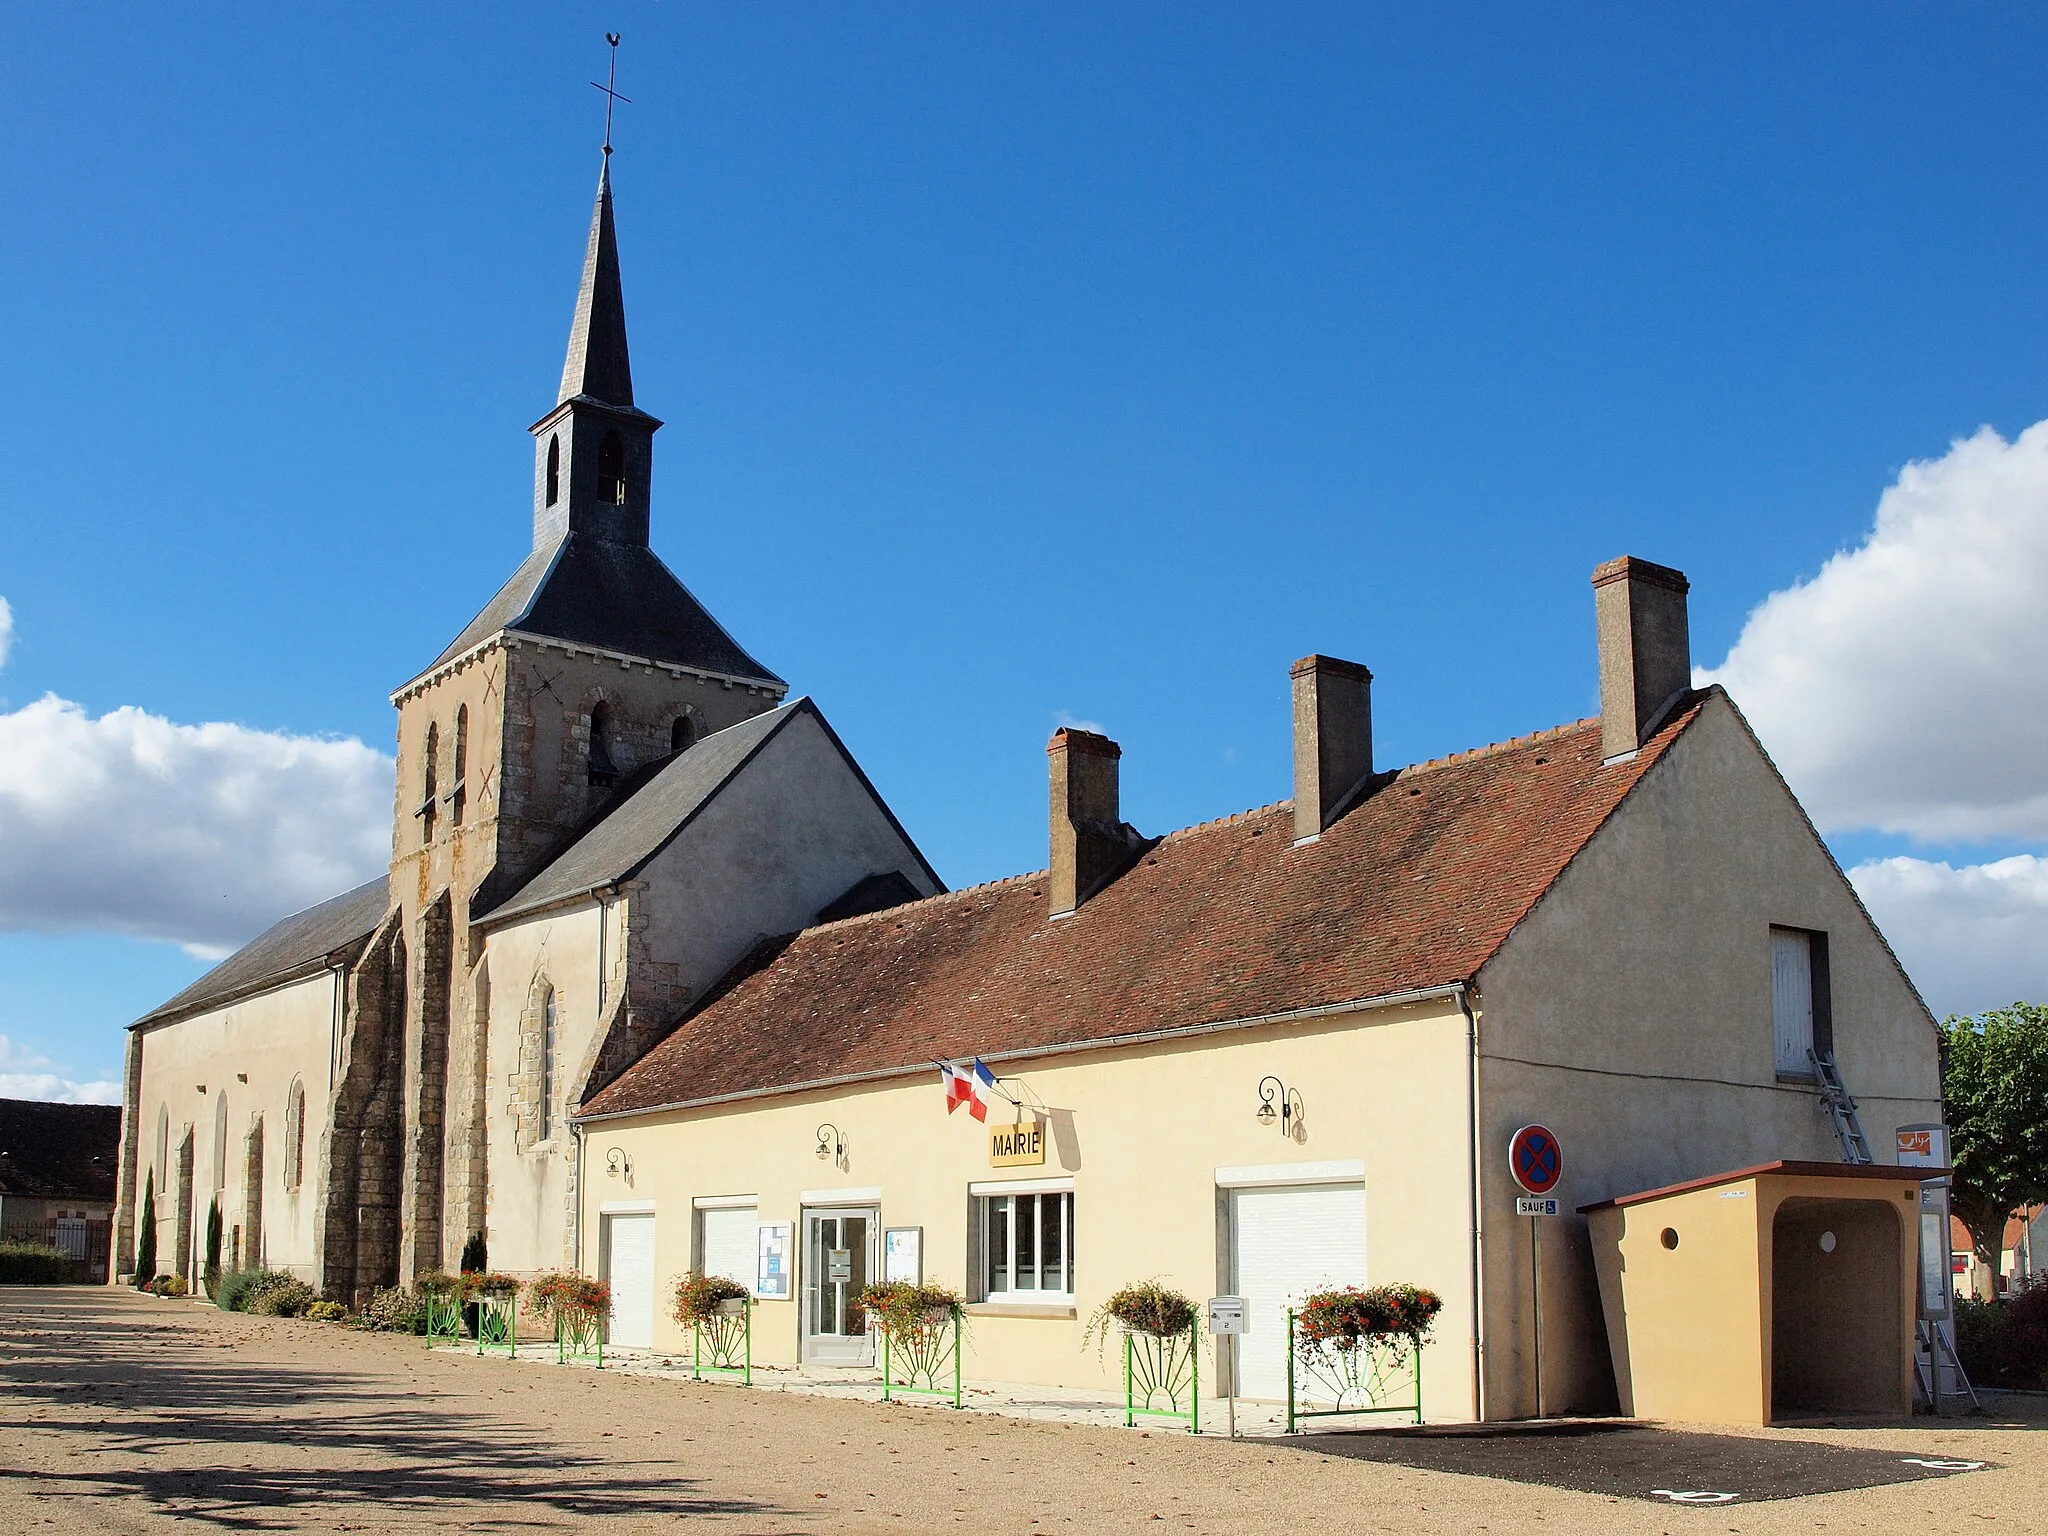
x=576, y=1223
x=1472, y=1170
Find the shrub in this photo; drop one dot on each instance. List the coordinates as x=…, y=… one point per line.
x=145, y=1248
x=475, y=1255
x=552, y=1295
x=697, y=1297
x=1145, y=1308
x=31, y=1264
x=904, y=1311
x=393, y=1310
x=327, y=1312
x=232, y=1293
x=281, y=1296
x=2005, y=1343
x=1344, y=1320
x=167, y=1285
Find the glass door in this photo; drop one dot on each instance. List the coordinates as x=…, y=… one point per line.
x=839, y=1256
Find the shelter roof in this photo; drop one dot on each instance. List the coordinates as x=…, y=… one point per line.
x=58, y=1149
x=1413, y=889
x=1783, y=1168
x=301, y=944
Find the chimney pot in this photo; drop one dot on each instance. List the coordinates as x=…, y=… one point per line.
x=1090, y=841
x=1645, y=649
x=1332, y=740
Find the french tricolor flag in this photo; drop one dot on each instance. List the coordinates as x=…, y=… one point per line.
x=966, y=1085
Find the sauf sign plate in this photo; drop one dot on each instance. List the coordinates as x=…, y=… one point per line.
x=1016, y=1146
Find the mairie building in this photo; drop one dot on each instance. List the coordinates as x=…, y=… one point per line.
x=656, y=982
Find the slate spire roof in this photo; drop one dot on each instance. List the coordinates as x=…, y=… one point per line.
x=597, y=366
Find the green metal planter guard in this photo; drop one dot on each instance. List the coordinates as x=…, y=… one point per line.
x=1162, y=1369
x=444, y=1318
x=1375, y=1377
x=918, y=1366
x=579, y=1337
x=727, y=1339
x=497, y=1325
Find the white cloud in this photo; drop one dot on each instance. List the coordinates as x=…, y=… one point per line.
x=1971, y=938
x=198, y=834
x=1902, y=688
x=26, y=1075
x=6, y=630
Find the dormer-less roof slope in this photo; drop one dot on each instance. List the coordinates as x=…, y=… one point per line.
x=611, y=597
x=302, y=945
x=58, y=1149
x=1414, y=889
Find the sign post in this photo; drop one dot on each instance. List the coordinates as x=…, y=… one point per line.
x=1227, y=1320
x=1537, y=1162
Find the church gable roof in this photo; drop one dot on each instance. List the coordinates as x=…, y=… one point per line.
x=299, y=945
x=609, y=596
x=1416, y=888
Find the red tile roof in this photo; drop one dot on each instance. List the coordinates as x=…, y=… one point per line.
x=1415, y=888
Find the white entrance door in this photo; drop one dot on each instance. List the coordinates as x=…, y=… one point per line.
x=839, y=1256
x=1285, y=1243
x=629, y=1266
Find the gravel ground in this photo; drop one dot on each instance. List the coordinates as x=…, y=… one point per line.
x=124, y=1413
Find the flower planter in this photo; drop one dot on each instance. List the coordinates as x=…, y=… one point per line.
x=722, y=1344
x=1162, y=1377
x=1367, y=1375
x=497, y=1323
x=923, y=1361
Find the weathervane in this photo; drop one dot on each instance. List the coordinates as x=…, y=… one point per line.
x=610, y=95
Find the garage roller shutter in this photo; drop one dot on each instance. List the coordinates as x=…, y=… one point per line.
x=1284, y=1244
x=630, y=1268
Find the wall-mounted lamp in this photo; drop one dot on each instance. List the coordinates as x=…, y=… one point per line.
x=617, y=1165
x=831, y=1143
x=1279, y=1102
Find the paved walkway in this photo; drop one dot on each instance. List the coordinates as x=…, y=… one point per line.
x=126, y=1414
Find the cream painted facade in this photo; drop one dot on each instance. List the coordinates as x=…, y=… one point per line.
x=250, y=1056
x=1141, y=1132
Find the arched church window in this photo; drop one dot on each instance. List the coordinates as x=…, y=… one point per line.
x=611, y=469
x=220, y=1142
x=604, y=768
x=458, y=792
x=295, y=1135
x=554, y=480
x=430, y=785
x=683, y=734
x=163, y=1145
x=547, y=1066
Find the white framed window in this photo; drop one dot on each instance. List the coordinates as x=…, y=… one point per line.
x=1027, y=1246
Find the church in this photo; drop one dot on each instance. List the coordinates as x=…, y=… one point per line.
x=656, y=983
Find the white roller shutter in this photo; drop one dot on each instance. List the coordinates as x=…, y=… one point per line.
x=1284, y=1244
x=726, y=1243
x=629, y=1265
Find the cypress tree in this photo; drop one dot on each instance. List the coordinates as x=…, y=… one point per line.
x=145, y=1247
x=210, y=1276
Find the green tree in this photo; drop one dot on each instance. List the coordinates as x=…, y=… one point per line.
x=210, y=1276
x=1994, y=1089
x=145, y=1247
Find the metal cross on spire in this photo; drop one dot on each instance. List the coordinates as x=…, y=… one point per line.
x=611, y=96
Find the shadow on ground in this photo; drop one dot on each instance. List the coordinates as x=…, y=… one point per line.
x=172, y=1390
x=1636, y=1461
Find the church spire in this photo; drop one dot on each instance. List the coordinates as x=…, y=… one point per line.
x=597, y=367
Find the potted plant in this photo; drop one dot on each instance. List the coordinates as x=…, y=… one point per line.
x=576, y=1306
x=919, y=1326
x=1162, y=1373
x=718, y=1313
x=497, y=1322
x=445, y=1304
x=1360, y=1350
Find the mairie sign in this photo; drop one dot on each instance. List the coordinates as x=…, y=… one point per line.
x=1015, y=1146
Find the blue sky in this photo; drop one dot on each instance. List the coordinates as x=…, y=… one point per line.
x=1019, y=365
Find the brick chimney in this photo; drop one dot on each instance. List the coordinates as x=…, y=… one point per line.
x=1332, y=740
x=1645, y=652
x=1090, y=841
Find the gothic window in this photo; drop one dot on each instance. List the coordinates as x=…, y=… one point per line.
x=163, y=1145
x=458, y=792
x=611, y=469
x=220, y=1141
x=604, y=769
x=428, y=806
x=295, y=1135
x=683, y=734
x=546, y=1117
x=554, y=482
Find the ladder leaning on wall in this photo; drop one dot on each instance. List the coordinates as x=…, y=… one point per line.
x=1936, y=1336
